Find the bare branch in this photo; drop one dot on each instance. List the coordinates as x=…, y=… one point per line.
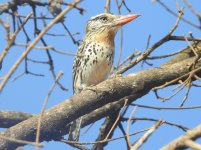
x=144, y=138
x=43, y=108
x=14, y=67
x=184, y=141
x=151, y=49
x=13, y=37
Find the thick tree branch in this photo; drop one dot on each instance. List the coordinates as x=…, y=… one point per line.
x=131, y=86
x=11, y=118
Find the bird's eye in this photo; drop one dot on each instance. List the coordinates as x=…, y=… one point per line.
x=103, y=19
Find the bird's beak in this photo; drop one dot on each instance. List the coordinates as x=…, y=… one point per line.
x=124, y=19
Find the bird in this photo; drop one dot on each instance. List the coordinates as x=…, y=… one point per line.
x=95, y=55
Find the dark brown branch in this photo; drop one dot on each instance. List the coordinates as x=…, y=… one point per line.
x=124, y=133
x=151, y=119
x=181, y=38
x=105, y=128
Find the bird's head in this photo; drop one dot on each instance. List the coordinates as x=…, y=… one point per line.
x=108, y=22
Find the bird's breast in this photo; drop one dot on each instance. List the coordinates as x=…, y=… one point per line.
x=100, y=59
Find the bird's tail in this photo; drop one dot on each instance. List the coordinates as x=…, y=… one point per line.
x=74, y=131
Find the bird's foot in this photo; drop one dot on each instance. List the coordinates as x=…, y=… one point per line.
x=91, y=88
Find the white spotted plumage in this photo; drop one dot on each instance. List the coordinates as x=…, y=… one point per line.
x=93, y=66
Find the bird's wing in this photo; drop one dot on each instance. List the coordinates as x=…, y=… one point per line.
x=77, y=62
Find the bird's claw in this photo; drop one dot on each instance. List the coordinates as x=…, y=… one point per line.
x=91, y=88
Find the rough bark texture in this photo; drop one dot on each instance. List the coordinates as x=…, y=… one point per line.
x=55, y=119
x=11, y=118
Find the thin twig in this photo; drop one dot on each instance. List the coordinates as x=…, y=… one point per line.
x=126, y=102
x=128, y=126
x=151, y=119
x=13, y=37
x=121, y=37
x=43, y=108
x=177, y=79
x=124, y=132
x=129, y=58
x=181, y=38
x=166, y=108
x=103, y=141
x=146, y=135
x=186, y=95
x=192, y=9
x=47, y=48
x=174, y=14
x=29, y=48
x=20, y=141
x=107, y=6
x=178, y=89
x=151, y=49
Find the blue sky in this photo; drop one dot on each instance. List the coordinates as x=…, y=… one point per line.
x=28, y=92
